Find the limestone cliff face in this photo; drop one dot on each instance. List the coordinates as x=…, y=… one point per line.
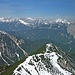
x=10, y=51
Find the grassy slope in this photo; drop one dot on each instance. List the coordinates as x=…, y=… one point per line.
x=9, y=70
x=40, y=50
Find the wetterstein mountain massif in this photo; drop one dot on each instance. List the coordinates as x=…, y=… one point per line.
x=60, y=31
x=22, y=36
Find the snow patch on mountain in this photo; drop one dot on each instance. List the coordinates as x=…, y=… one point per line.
x=42, y=64
x=7, y=19
x=0, y=54
x=3, y=32
x=29, y=18
x=62, y=21
x=18, y=56
x=23, y=22
x=46, y=23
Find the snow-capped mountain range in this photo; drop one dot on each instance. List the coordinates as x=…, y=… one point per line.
x=49, y=62
x=30, y=21
x=14, y=24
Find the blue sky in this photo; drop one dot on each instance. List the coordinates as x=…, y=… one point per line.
x=38, y=8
